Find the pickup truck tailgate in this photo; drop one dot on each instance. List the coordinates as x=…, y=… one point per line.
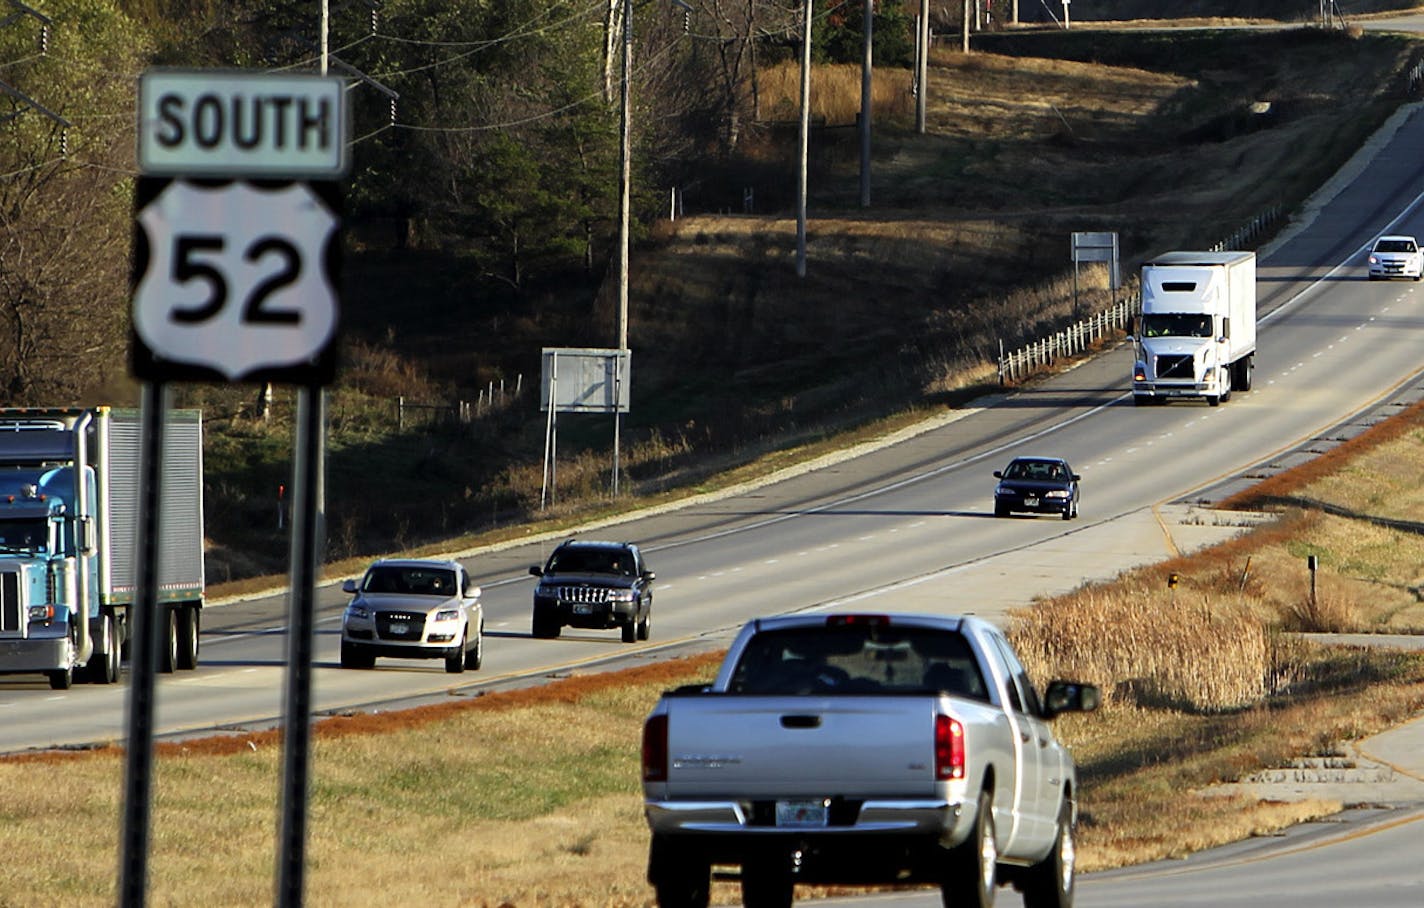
x=789, y=746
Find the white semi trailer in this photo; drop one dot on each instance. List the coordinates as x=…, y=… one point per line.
x=1196, y=337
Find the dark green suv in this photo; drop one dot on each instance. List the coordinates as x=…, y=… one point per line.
x=596, y=585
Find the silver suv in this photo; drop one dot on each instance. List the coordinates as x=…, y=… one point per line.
x=413, y=609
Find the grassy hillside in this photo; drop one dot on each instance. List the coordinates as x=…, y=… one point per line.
x=1169, y=139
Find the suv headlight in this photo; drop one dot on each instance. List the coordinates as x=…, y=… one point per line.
x=357, y=611
x=620, y=596
x=448, y=614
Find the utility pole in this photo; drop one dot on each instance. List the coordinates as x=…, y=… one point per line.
x=625, y=155
x=625, y=173
x=805, y=139
x=866, y=66
x=922, y=65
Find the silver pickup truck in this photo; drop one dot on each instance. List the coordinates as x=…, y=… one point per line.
x=863, y=749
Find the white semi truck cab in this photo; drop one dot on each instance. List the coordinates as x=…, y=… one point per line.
x=1196, y=336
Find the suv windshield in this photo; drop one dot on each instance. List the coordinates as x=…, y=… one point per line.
x=591, y=561
x=419, y=581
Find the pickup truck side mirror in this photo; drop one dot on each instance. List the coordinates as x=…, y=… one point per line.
x=348, y=586
x=1069, y=697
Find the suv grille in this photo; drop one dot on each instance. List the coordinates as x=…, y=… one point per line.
x=583, y=594
x=1175, y=365
x=400, y=625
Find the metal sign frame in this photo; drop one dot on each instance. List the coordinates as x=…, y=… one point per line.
x=581, y=380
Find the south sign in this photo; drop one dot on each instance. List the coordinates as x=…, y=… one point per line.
x=228, y=123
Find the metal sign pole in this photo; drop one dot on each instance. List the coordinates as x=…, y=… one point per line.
x=307, y=520
x=138, y=775
x=617, y=414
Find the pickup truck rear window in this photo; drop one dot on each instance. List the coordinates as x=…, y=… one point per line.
x=859, y=659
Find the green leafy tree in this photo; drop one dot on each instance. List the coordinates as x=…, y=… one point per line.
x=66, y=165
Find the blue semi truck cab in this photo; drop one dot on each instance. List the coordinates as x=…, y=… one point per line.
x=69, y=546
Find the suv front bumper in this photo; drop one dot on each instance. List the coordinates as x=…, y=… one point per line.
x=587, y=615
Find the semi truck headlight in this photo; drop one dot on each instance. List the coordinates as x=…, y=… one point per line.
x=42, y=612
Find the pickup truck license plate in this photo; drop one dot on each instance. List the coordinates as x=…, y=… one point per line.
x=1030, y=502
x=398, y=628
x=801, y=814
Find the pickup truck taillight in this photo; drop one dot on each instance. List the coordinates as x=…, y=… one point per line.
x=949, y=749
x=655, y=748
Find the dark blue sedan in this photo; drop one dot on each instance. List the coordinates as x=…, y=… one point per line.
x=1041, y=485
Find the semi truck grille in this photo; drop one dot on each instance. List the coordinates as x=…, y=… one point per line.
x=1175, y=365
x=400, y=625
x=11, y=609
x=583, y=594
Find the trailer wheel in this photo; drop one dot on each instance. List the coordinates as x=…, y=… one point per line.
x=1241, y=373
x=168, y=639
x=188, y=629
x=103, y=667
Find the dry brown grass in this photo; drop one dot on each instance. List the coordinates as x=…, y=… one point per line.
x=835, y=94
x=1201, y=654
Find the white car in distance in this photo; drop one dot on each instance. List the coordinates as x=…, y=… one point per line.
x=1396, y=256
x=413, y=609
